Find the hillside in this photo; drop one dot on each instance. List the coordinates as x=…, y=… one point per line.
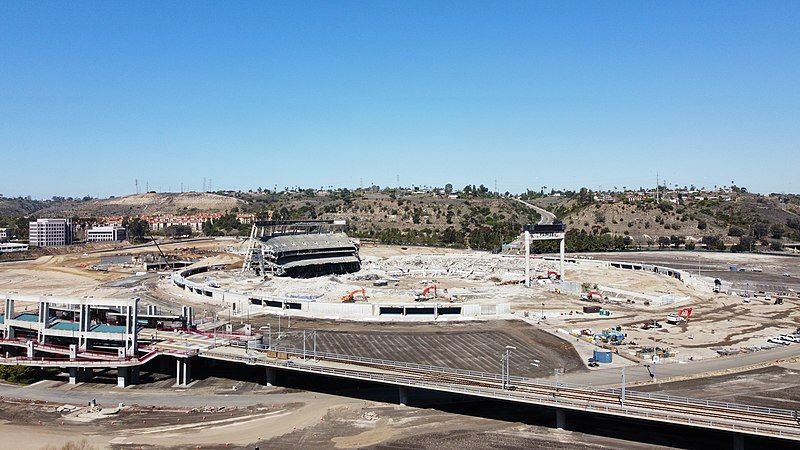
x=15, y=207
x=140, y=204
x=743, y=214
x=403, y=217
x=476, y=218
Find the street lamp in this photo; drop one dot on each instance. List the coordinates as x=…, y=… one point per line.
x=506, y=375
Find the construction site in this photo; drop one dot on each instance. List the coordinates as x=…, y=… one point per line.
x=306, y=294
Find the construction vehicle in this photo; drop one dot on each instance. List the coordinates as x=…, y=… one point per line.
x=680, y=317
x=551, y=275
x=425, y=295
x=592, y=296
x=652, y=323
x=351, y=296
x=612, y=335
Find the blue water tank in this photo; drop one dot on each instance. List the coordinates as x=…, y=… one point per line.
x=602, y=356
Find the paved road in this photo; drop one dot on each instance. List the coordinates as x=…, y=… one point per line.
x=706, y=367
x=547, y=217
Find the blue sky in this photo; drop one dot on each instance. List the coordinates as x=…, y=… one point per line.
x=563, y=94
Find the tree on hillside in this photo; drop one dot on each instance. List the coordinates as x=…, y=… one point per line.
x=137, y=229
x=176, y=231
x=735, y=231
x=777, y=231
x=759, y=230
x=448, y=188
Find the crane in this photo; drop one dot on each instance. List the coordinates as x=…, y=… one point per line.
x=169, y=267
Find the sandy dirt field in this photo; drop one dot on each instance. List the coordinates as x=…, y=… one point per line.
x=306, y=420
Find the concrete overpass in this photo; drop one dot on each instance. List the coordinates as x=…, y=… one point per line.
x=187, y=349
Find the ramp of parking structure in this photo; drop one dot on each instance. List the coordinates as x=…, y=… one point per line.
x=190, y=342
x=58, y=350
x=96, y=363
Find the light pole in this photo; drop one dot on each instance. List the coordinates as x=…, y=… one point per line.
x=507, y=366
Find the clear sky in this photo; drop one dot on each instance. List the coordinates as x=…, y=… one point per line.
x=247, y=94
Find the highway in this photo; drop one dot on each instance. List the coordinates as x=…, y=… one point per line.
x=547, y=217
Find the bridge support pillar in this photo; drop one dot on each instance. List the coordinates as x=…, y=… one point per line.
x=403, y=391
x=86, y=374
x=134, y=375
x=738, y=442
x=561, y=419
x=29, y=349
x=74, y=375
x=123, y=377
x=183, y=373
x=271, y=375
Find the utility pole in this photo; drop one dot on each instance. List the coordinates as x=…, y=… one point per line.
x=507, y=367
x=136, y=182
x=657, y=187
x=622, y=391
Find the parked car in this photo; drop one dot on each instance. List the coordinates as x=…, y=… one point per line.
x=778, y=340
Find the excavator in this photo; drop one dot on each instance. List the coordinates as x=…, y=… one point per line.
x=552, y=275
x=351, y=296
x=425, y=295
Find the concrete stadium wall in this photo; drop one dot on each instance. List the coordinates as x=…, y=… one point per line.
x=243, y=303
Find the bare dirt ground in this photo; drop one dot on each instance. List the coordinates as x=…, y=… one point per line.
x=717, y=265
x=313, y=421
x=392, y=427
